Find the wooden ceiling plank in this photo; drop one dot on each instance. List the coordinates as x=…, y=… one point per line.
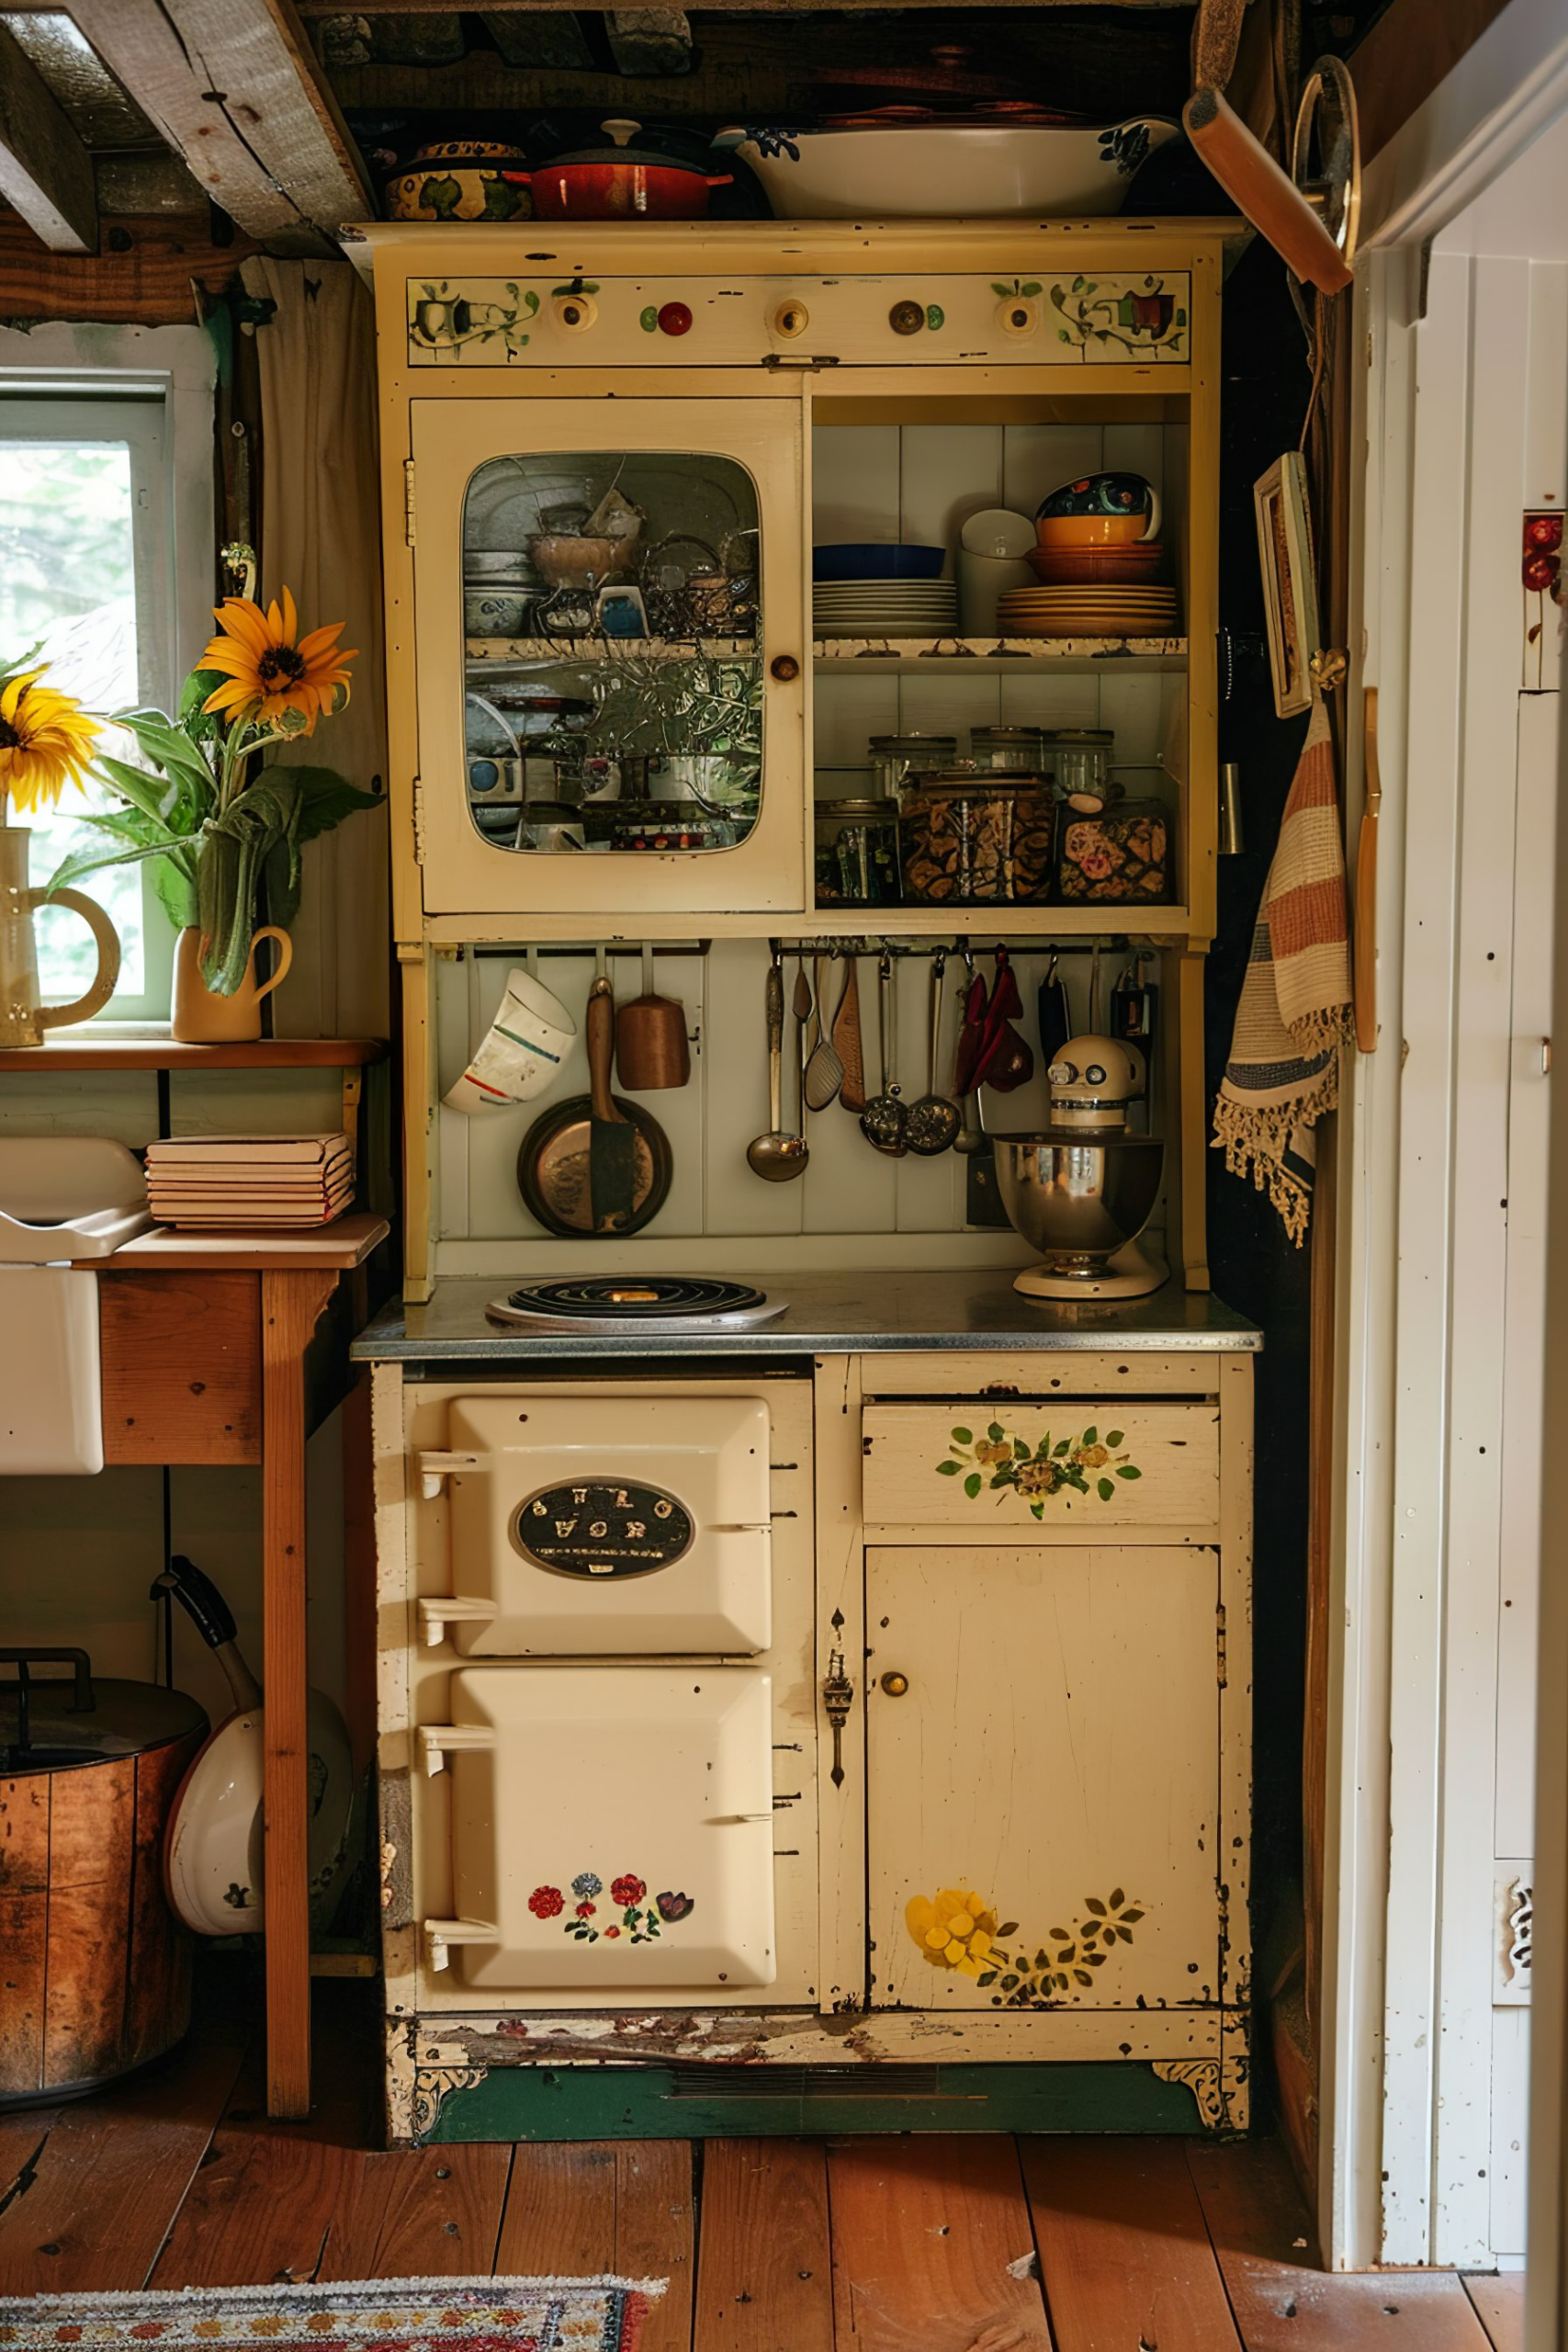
x=315, y=8
x=45, y=171
x=281, y=101
x=649, y=41
x=234, y=89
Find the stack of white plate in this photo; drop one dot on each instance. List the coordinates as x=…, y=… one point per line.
x=1116, y=610
x=885, y=607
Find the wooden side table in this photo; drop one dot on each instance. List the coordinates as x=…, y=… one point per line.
x=228, y=1348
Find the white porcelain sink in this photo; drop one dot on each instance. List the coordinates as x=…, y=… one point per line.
x=66, y=1197
x=61, y=1198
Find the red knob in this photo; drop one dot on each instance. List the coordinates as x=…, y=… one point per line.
x=674, y=318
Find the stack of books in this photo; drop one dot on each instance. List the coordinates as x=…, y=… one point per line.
x=247, y=1182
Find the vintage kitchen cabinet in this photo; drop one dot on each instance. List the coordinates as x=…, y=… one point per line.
x=574, y=760
x=904, y=1758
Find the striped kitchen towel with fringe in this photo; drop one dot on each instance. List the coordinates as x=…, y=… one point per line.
x=1294, y=1013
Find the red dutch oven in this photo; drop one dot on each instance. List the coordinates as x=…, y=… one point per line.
x=619, y=183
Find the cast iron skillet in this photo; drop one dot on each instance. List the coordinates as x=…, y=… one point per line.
x=553, y=1170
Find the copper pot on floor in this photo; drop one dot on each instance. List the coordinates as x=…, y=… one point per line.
x=95, y=1969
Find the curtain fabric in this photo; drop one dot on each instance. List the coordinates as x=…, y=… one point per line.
x=320, y=534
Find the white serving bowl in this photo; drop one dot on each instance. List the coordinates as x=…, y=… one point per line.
x=948, y=171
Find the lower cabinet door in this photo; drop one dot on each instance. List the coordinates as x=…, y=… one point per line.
x=611, y=1826
x=1042, y=1777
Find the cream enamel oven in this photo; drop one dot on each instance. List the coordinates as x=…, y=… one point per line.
x=599, y=1724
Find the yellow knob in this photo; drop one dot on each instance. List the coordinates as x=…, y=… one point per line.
x=895, y=1685
x=791, y=318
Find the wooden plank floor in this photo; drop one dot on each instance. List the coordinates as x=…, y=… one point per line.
x=963, y=2244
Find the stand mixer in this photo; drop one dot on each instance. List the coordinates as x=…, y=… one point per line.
x=1082, y=1190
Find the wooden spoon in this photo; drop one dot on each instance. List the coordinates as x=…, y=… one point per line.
x=847, y=1041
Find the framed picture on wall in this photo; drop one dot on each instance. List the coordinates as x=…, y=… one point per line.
x=1290, y=582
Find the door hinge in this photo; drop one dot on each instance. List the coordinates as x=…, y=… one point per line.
x=408, y=501
x=418, y=822
x=1220, y=1645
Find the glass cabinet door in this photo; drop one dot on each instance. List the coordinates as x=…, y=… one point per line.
x=603, y=593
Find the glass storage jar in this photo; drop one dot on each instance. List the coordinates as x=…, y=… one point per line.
x=1115, y=855
x=857, y=854
x=892, y=757
x=1079, y=758
x=1020, y=750
x=975, y=835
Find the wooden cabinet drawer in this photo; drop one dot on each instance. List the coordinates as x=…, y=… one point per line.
x=1031, y=1473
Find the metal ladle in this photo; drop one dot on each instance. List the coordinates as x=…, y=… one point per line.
x=884, y=1119
x=776, y=1157
x=934, y=1121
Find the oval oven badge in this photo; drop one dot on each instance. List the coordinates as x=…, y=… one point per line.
x=602, y=1527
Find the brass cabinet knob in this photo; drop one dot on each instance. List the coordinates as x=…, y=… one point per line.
x=783, y=667
x=895, y=1684
x=791, y=318
x=907, y=318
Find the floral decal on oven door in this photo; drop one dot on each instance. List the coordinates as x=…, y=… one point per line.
x=997, y=1461
x=640, y=1922
x=957, y=1929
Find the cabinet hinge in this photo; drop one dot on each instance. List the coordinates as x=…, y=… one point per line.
x=1220, y=1645
x=418, y=822
x=408, y=499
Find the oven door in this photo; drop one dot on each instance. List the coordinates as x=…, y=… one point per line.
x=600, y=1525
x=610, y=1827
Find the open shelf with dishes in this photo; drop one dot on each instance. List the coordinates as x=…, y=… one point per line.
x=993, y=655
x=1002, y=689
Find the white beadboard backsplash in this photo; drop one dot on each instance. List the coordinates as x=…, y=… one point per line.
x=849, y=1191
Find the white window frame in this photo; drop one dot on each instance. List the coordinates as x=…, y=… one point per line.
x=151, y=387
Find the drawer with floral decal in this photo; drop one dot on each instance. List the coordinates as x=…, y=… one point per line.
x=1033, y=1470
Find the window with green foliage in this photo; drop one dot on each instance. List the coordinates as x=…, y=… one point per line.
x=86, y=575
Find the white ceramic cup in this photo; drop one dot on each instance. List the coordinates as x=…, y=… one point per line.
x=981, y=579
x=520, y=1054
x=999, y=532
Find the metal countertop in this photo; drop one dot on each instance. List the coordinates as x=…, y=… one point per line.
x=827, y=1315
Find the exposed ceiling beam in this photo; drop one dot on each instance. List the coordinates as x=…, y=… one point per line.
x=778, y=7
x=759, y=68
x=234, y=87
x=45, y=171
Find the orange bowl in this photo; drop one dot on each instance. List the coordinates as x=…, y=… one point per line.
x=1091, y=530
x=1097, y=566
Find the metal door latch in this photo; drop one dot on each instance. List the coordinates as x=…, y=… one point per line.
x=838, y=1698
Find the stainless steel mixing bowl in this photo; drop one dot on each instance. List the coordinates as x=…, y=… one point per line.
x=1077, y=1198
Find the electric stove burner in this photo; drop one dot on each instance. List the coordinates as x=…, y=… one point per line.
x=594, y=1302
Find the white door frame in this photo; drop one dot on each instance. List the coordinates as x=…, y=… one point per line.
x=1406, y=2040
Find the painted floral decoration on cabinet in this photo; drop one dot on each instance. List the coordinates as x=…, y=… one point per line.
x=958, y=1928
x=1040, y=1473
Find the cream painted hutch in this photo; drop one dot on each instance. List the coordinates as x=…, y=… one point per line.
x=906, y=1785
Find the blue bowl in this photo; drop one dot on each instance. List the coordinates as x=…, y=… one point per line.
x=860, y=562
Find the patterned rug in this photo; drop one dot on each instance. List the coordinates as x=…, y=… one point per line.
x=361, y=2315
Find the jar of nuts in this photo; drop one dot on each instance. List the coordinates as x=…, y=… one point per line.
x=979, y=836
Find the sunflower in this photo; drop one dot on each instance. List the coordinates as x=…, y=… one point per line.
x=47, y=742
x=270, y=669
